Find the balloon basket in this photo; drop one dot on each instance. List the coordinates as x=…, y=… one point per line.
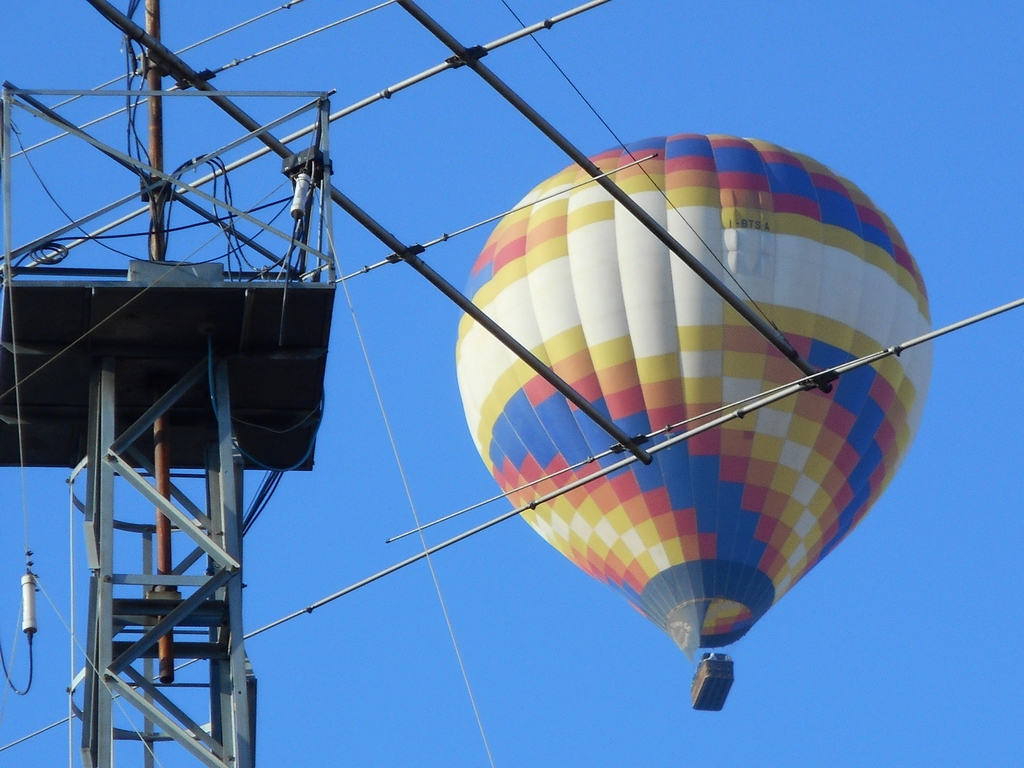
x=711, y=682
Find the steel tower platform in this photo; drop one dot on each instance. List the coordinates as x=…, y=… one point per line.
x=236, y=370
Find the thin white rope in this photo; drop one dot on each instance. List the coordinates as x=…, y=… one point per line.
x=205, y=40
x=186, y=49
x=9, y=300
x=32, y=735
x=113, y=694
x=7, y=681
x=415, y=514
x=71, y=601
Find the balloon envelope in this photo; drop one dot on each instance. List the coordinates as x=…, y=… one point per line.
x=707, y=538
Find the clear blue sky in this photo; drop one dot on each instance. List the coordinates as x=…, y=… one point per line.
x=902, y=648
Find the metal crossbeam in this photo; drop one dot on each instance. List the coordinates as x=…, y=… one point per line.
x=147, y=687
x=183, y=73
x=186, y=524
x=471, y=58
x=160, y=407
x=178, y=614
x=167, y=724
x=174, y=181
x=134, y=166
x=214, y=601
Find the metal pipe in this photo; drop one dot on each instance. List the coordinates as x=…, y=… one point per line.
x=183, y=73
x=471, y=58
x=386, y=93
x=158, y=252
x=157, y=183
x=183, y=186
x=164, y=558
x=155, y=104
x=801, y=385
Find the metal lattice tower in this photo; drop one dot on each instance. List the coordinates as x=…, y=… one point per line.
x=233, y=365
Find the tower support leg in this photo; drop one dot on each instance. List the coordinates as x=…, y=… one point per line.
x=125, y=629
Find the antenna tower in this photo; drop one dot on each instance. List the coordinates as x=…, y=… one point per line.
x=135, y=378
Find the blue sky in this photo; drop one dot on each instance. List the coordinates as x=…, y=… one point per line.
x=902, y=648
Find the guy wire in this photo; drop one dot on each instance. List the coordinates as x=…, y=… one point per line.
x=658, y=187
x=415, y=514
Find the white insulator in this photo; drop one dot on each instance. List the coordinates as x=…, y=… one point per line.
x=28, y=603
x=302, y=185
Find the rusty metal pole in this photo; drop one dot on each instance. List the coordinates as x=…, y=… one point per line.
x=158, y=252
x=154, y=82
x=164, y=564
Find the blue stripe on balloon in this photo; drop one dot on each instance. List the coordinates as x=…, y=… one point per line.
x=554, y=412
x=505, y=443
x=704, y=472
x=731, y=529
x=869, y=462
x=860, y=498
x=838, y=210
x=698, y=146
x=599, y=440
x=752, y=549
x=852, y=388
x=864, y=429
x=524, y=421
x=649, y=478
x=739, y=159
x=826, y=356
x=675, y=464
x=873, y=234
x=789, y=179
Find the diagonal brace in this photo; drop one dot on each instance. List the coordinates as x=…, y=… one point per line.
x=160, y=407
x=184, y=74
x=176, y=493
x=167, y=725
x=471, y=58
x=171, y=620
x=149, y=689
x=182, y=520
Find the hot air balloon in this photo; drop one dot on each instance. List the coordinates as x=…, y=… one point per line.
x=717, y=529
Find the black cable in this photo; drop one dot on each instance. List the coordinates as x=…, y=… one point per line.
x=220, y=221
x=267, y=488
x=136, y=148
x=318, y=412
x=53, y=251
x=31, y=669
x=17, y=137
x=262, y=271
x=235, y=247
x=47, y=254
